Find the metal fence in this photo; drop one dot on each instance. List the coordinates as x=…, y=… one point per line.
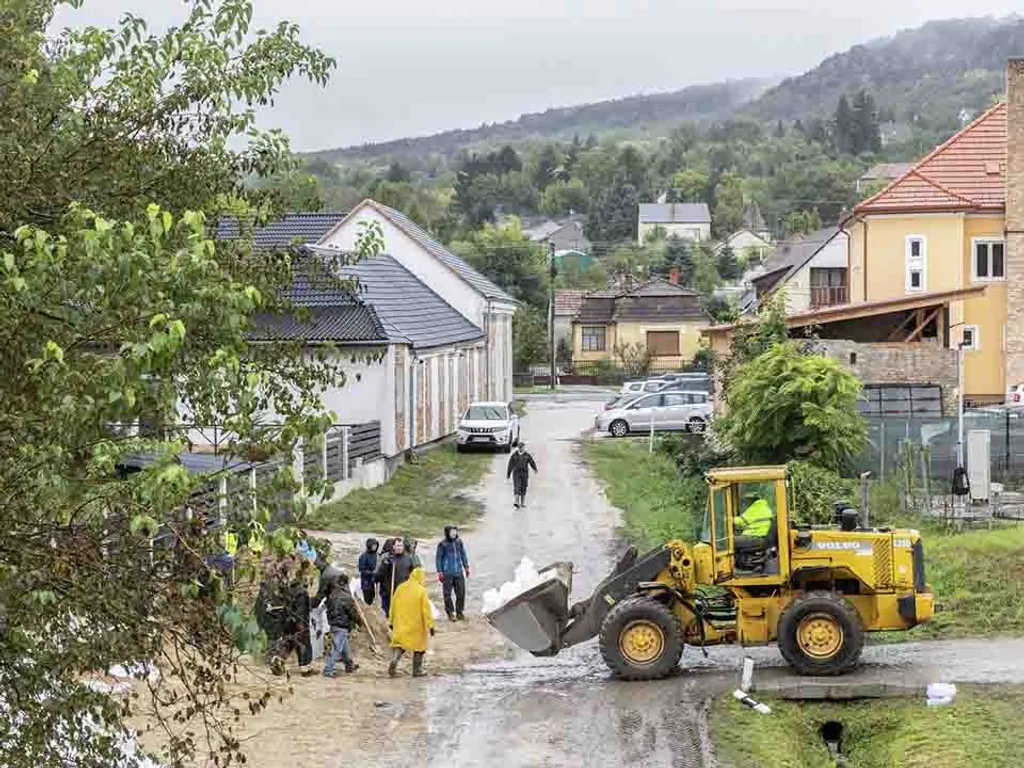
x=602, y=372
x=888, y=437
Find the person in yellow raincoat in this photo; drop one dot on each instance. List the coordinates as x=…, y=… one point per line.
x=411, y=621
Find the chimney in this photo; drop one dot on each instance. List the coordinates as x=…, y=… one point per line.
x=1014, y=221
x=673, y=276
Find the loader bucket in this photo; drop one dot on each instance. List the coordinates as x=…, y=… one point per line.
x=535, y=619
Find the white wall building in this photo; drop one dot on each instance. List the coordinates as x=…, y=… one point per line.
x=689, y=221
x=471, y=294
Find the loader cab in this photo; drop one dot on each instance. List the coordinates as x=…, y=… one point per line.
x=740, y=559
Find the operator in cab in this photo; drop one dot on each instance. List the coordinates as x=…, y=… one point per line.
x=752, y=527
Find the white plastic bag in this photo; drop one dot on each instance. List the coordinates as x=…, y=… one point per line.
x=318, y=629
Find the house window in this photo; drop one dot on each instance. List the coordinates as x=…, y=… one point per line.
x=663, y=343
x=989, y=262
x=971, y=337
x=916, y=261
x=592, y=338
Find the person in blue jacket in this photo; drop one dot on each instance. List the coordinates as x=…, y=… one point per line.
x=452, y=566
x=367, y=567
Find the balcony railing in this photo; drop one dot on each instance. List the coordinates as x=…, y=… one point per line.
x=828, y=295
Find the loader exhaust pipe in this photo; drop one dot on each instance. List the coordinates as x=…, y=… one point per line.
x=865, y=495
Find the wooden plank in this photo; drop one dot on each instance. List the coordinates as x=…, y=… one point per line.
x=924, y=320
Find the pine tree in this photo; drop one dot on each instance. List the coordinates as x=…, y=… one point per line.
x=866, y=134
x=729, y=266
x=780, y=130
x=843, y=128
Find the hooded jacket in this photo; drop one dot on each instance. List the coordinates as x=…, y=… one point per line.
x=392, y=570
x=451, y=558
x=368, y=564
x=341, y=608
x=519, y=464
x=411, y=617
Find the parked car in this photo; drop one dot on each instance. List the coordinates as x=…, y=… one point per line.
x=671, y=410
x=622, y=400
x=488, y=425
x=647, y=385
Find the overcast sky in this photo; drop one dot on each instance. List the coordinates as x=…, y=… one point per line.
x=411, y=67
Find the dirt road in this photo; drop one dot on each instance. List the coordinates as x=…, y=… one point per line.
x=518, y=711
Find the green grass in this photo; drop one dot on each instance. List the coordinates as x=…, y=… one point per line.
x=976, y=730
x=657, y=503
x=419, y=500
x=978, y=579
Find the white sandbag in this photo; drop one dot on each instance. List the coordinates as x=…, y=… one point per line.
x=526, y=577
x=318, y=629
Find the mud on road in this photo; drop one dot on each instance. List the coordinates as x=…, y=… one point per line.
x=487, y=704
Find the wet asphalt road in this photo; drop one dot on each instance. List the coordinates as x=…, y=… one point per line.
x=567, y=711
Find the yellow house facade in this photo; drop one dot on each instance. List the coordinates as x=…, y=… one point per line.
x=941, y=227
x=662, y=317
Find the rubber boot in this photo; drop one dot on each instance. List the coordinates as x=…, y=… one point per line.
x=417, y=665
x=396, y=656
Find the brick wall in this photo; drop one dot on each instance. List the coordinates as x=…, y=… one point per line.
x=1015, y=222
x=899, y=363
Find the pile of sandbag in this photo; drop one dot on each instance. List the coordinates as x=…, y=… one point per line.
x=526, y=577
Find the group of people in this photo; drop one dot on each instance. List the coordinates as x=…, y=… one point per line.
x=394, y=572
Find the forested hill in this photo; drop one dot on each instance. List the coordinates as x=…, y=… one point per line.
x=698, y=103
x=927, y=74
x=925, y=81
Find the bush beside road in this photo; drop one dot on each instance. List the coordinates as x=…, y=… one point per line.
x=419, y=500
x=657, y=503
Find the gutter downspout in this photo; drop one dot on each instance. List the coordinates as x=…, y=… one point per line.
x=487, y=350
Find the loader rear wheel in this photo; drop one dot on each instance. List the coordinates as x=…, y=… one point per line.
x=640, y=639
x=820, y=634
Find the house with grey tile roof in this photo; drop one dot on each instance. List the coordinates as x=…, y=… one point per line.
x=406, y=356
x=291, y=229
x=690, y=221
x=483, y=304
x=811, y=269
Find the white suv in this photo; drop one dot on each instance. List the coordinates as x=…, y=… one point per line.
x=488, y=425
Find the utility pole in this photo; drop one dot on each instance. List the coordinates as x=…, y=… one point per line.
x=552, y=272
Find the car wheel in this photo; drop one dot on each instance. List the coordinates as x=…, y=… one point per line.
x=696, y=424
x=618, y=428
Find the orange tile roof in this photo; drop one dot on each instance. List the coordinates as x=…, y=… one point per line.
x=967, y=172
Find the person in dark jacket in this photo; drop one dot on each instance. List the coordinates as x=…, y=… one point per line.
x=329, y=574
x=343, y=616
x=519, y=464
x=410, y=547
x=367, y=567
x=452, y=566
x=393, y=569
x=295, y=634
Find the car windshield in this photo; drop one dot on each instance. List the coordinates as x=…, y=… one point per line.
x=485, y=413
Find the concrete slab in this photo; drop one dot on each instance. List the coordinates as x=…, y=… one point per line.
x=834, y=689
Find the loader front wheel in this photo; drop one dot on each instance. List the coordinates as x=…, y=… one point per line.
x=640, y=639
x=820, y=634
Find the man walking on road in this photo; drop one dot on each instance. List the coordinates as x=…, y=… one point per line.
x=519, y=464
x=452, y=566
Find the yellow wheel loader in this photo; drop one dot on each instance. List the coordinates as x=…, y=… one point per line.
x=814, y=590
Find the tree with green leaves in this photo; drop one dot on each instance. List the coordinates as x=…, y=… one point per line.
x=563, y=197
x=729, y=267
x=119, y=150
x=690, y=185
x=803, y=222
x=785, y=405
x=508, y=257
x=529, y=338
x=727, y=216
